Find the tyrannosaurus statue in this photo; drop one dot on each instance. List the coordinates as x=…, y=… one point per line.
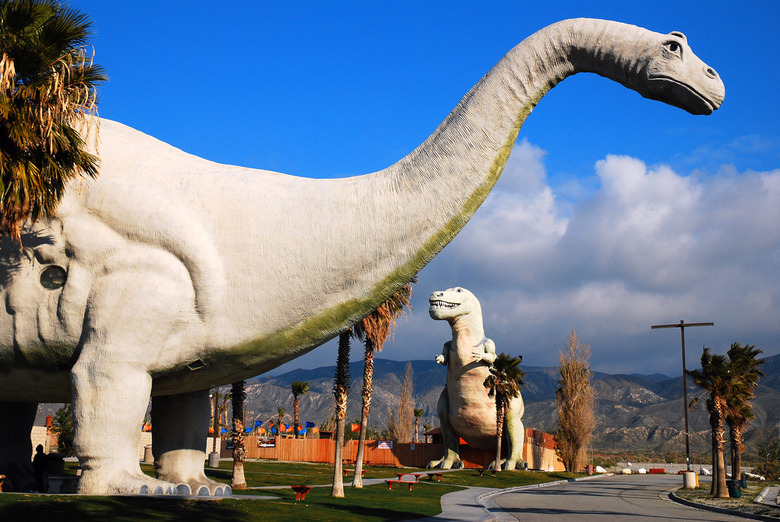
x=169, y=274
x=465, y=409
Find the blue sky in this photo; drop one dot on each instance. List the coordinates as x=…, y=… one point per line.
x=331, y=89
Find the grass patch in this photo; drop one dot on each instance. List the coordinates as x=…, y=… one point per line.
x=272, y=473
x=373, y=502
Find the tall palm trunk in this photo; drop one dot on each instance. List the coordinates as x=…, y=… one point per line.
x=296, y=417
x=500, y=411
x=239, y=448
x=719, y=478
x=368, y=390
x=736, y=451
x=340, y=391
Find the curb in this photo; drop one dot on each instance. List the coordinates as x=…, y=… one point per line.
x=674, y=498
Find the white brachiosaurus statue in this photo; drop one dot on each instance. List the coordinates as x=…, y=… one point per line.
x=169, y=274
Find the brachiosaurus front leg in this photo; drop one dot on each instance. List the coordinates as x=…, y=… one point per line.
x=180, y=424
x=109, y=403
x=131, y=315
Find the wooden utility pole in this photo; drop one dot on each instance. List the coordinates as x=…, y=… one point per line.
x=682, y=326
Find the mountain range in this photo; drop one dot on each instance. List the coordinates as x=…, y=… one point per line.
x=633, y=412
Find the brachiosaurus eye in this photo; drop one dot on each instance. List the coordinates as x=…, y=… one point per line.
x=53, y=277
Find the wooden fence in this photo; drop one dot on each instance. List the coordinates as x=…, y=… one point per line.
x=538, y=451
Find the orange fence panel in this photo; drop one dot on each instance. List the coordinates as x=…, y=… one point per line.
x=538, y=451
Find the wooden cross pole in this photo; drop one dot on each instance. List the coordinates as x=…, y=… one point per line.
x=682, y=326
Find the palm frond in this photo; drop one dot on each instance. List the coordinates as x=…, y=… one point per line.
x=48, y=97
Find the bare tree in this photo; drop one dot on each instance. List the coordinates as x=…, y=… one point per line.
x=576, y=419
x=401, y=424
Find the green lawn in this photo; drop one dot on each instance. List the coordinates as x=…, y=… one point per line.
x=374, y=502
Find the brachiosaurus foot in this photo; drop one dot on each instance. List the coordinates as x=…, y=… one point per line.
x=204, y=487
x=99, y=482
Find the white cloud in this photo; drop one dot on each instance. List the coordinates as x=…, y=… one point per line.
x=649, y=246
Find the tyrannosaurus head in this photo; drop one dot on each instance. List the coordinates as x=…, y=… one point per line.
x=453, y=303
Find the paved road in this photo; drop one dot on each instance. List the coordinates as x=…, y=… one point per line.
x=638, y=497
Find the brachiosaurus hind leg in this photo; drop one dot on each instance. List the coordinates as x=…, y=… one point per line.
x=15, y=445
x=179, y=427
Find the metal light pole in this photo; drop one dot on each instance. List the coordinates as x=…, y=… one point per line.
x=682, y=327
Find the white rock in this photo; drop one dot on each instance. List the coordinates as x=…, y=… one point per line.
x=599, y=469
x=642, y=471
x=626, y=471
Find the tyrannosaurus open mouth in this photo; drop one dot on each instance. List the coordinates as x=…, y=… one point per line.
x=443, y=305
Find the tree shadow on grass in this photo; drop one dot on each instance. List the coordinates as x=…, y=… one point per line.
x=377, y=513
x=37, y=507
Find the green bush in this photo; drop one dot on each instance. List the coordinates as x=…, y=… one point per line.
x=769, y=453
x=770, y=470
x=63, y=427
x=604, y=462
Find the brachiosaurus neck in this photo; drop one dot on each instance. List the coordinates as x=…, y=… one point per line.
x=433, y=192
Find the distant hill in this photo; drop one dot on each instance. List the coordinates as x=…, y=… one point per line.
x=634, y=412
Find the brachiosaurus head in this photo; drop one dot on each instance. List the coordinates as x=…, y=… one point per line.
x=676, y=76
x=453, y=303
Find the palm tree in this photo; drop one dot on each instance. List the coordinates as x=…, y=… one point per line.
x=417, y=414
x=744, y=368
x=715, y=379
x=279, y=415
x=504, y=384
x=219, y=405
x=298, y=388
x=374, y=329
x=223, y=409
x=48, y=90
x=426, y=428
x=340, y=391
x=238, y=394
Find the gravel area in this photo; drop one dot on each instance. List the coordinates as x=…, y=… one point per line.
x=745, y=504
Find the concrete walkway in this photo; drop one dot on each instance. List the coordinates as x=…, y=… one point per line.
x=769, y=496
